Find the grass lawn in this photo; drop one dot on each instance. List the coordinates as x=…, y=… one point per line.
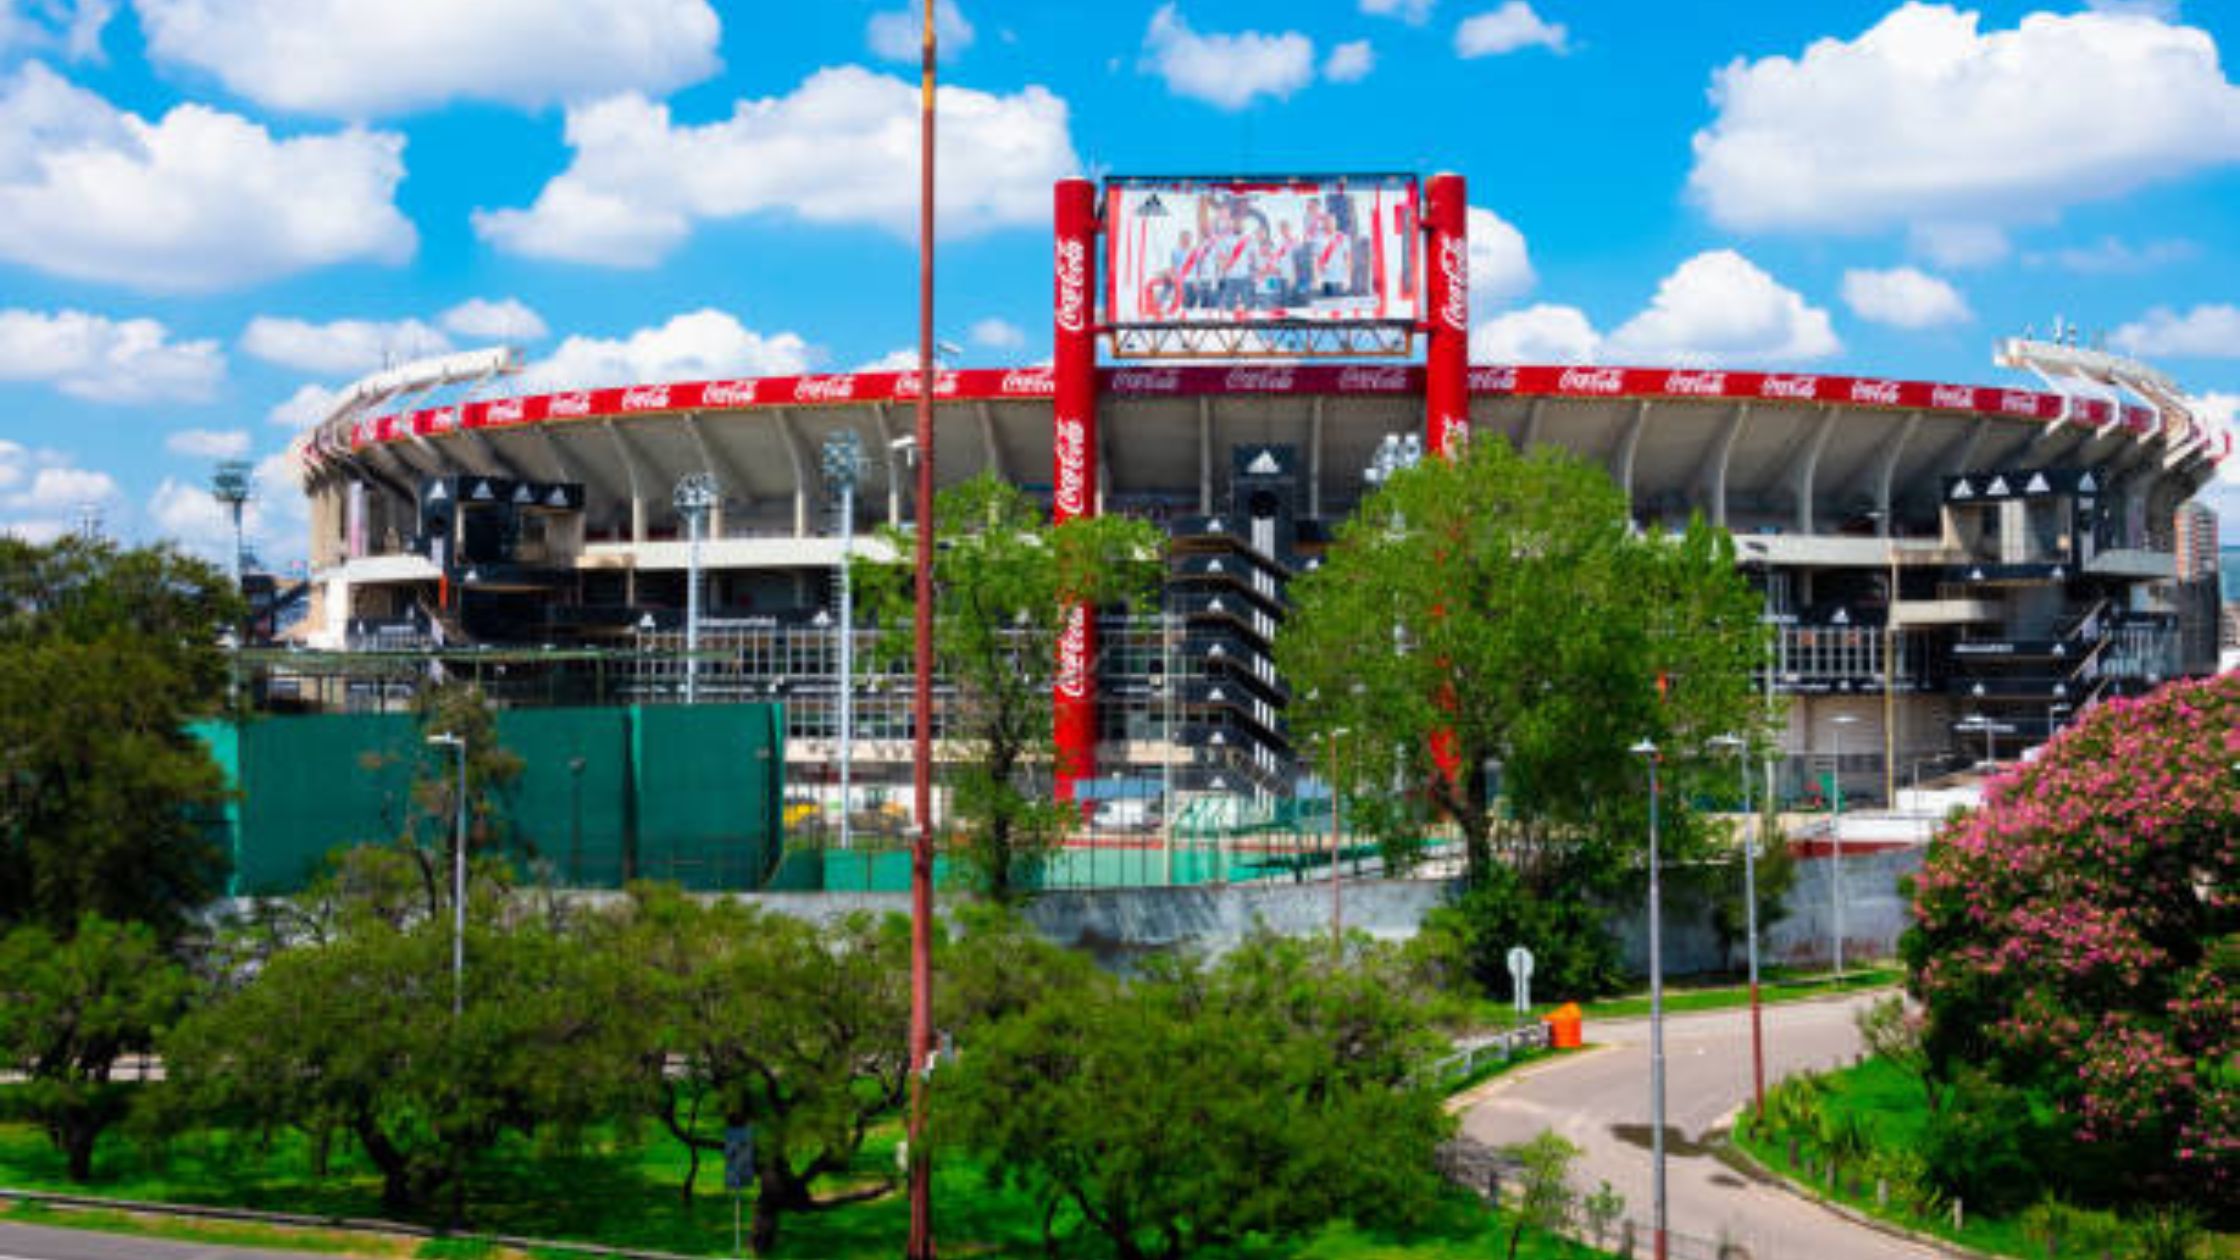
x=1891, y=1104
x=619, y=1189
x=1713, y=993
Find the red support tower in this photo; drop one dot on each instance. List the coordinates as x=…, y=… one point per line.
x=1073, y=370
x=1446, y=356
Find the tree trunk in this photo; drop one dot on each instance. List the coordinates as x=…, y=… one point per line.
x=78, y=1137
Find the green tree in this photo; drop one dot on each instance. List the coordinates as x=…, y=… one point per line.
x=1544, y=1198
x=1004, y=580
x=105, y=800
x=1193, y=1105
x=1498, y=610
x=358, y=1036
x=1496, y=619
x=69, y=1009
x=757, y=1019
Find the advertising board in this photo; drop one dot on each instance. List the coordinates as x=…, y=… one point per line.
x=1255, y=250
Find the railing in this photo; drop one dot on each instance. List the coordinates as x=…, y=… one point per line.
x=1476, y=1053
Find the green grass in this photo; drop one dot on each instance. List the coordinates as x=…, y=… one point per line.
x=620, y=1189
x=1890, y=1103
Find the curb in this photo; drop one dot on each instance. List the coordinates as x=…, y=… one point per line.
x=344, y=1224
x=1733, y=1156
x=1744, y=1009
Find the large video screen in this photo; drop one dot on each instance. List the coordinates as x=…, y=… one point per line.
x=1218, y=251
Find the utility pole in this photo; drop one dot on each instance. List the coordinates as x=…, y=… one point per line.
x=1648, y=752
x=920, y=1242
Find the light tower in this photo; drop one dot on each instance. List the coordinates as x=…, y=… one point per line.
x=842, y=464
x=229, y=485
x=695, y=497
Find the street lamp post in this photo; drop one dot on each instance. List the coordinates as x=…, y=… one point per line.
x=695, y=497
x=458, y=746
x=843, y=465
x=1741, y=748
x=1647, y=751
x=1835, y=841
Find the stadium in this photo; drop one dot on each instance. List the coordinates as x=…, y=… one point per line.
x=1954, y=569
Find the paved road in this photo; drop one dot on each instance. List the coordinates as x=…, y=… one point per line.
x=36, y=1242
x=1600, y=1100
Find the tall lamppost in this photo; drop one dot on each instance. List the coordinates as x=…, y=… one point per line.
x=1647, y=751
x=842, y=462
x=1835, y=841
x=1741, y=748
x=458, y=746
x=695, y=497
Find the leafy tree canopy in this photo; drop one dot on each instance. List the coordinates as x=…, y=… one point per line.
x=105, y=655
x=2077, y=939
x=69, y=1009
x=1004, y=580
x=1500, y=610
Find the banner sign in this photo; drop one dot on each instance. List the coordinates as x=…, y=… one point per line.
x=1337, y=249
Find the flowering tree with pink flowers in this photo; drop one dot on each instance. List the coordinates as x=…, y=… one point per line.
x=2077, y=949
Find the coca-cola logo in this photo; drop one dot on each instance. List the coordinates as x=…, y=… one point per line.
x=569, y=405
x=727, y=393
x=1073, y=655
x=1696, y=384
x=1958, y=396
x=1382, y=379
x=1875, y=393
x=1454, y=434
x=443, y=419
x=910, y=384
x=1454, y=273
x=1070, y=443
x=645, y=398
x=506, y=411
x=1800, y=387
x=1591, y=381
x=1274, y=380
x=1493, y=379
x=1030, y=381
x=824, y=389
x=1147, y=381
x=2017, y=403
x=1073, y=286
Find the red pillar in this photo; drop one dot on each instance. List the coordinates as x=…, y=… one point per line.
x=1073, y=370
x=1446, y=361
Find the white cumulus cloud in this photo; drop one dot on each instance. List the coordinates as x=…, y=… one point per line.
x=1350, y=62
x=350, y=59
x=195, y=201
x=1904, y=297
x=43, y=492
x=1546, y=333
x=998, y=334
x=2208, y=331
x=1413, y=12
x=1719, y=308
x=208, y=443
x=343, y=347
x=1227, y=71
x=507, y=320
x=1930, y=123
x=105, y=360
x=899, y=34
x=307, y=406
x=1500, y=266
x=1511, y=27
x=699, y=345
x=841, y=149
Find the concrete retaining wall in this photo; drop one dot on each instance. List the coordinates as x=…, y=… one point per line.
x=1119, y=924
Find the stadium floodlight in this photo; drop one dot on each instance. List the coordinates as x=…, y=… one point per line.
x=696, y=496
x=842, y=463
x=229, y=485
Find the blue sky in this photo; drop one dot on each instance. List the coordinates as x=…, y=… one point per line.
x=212, y=212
